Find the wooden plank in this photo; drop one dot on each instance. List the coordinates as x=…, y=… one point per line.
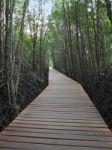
x=66, y=132
x=70, y=124
x=30, y=146
x=54, y=141
x=58, y=136
x=61, y=118
x=59, y=127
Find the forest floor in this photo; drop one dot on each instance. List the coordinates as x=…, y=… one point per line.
x=101, y=95
x=30, y=86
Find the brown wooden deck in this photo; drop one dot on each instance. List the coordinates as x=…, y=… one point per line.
x=61, y=118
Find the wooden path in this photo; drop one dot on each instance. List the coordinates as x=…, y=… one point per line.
x=61, y=118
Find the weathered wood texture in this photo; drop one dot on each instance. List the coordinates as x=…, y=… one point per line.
x=61, y=118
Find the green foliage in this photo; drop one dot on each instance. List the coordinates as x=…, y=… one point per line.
x=27, y=49
x=87, y=18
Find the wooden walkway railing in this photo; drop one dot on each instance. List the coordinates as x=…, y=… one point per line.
x=61, y=118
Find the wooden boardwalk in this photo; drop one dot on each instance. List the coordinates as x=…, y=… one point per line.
x=61, y=118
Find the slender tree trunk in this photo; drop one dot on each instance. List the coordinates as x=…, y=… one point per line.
x=109, y=9
x=6, y=48
x=1, y=35
x=18, y=61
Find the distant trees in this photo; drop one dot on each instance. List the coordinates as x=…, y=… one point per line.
x=38, y=29
x=82, y=28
